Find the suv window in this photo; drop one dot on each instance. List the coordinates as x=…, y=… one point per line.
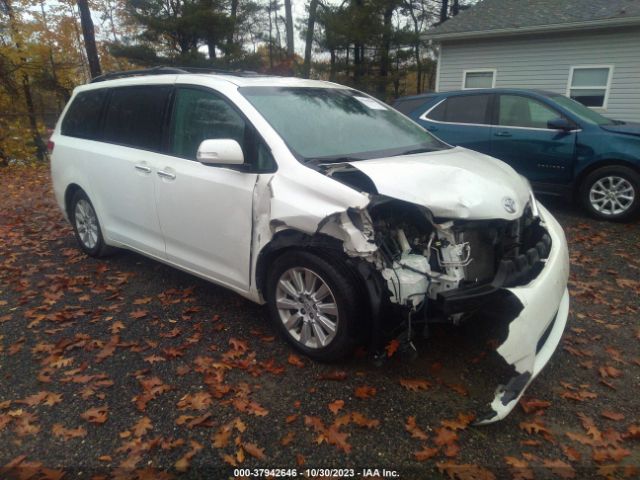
x=83, y=116
x=408, y=106
x=201, y=115
x=463, y=109
x=519, y=111
x=135, y=116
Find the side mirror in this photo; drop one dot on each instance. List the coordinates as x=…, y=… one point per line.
x=560, y=124
x=220, y=152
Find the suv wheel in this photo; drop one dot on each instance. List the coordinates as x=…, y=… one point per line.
x=313, y=301
x=611, y=193
x=86, y=226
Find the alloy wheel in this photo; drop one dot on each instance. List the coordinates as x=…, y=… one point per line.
x=86, y=224
x=307, y=307
x=612, y=195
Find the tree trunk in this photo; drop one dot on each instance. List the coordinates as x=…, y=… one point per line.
x=270, y=38
x=311, y=23
x=89, y=34
x=444, y=10
x=232, y=31
x=386, y=46
x=332, y=65
x=455, y=8
x=289, y=19
x=416, y=48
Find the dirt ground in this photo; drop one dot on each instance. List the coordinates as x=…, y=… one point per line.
x=126, y=368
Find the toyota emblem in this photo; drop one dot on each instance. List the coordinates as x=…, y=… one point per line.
x=509, y=204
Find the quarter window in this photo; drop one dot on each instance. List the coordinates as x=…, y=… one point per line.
x=590, y=85
x=463, y=109
x=479, y=79
x=83, y=116
x=201, y=115
x=519, y=111
x=135, y=116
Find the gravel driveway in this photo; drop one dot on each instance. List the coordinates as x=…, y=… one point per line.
x=126, y=368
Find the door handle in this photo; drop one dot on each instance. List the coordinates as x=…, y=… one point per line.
x=164, y=174
x=431, y=128
x=502, y=134
x=143, y=168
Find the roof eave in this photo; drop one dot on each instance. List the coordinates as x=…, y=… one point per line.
x=558, y=27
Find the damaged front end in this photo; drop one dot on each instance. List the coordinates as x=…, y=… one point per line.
x=439, y=269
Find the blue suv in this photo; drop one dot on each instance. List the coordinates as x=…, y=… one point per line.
x=560, y=145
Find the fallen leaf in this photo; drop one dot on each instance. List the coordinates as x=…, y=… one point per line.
x=530, y=405
x=287, y=439
x=59, y=430
x=336, y=406
x=295, y=361
x=142, y=427
x=414, y=384
x=412, y=427
x=615, y=416
x=96, y=415
x=425, y=454
x=253, y=450
x=392, y=347
x=365, y=392
x=362, y=421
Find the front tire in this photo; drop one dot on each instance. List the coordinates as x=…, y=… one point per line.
x=313, y=302
x=86, y=226
x=611, y=193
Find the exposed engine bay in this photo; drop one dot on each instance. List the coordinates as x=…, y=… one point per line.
x=450, y=262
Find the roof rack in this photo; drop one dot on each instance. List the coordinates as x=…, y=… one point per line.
x=161, y=70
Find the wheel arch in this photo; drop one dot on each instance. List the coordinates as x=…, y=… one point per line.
x=369, y=280
x=610, y=162
x=69, y=192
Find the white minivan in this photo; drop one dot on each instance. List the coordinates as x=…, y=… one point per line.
x=349, y=220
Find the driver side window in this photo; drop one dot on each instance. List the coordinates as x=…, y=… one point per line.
x=200, y=115
x=519, y=111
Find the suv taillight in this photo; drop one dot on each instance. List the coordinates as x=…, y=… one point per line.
x=50, y=145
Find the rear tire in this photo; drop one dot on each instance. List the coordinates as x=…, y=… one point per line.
x=611, y=193
x=87, y=227
x=314, y=303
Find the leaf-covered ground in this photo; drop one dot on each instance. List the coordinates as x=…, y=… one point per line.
x=125, y=368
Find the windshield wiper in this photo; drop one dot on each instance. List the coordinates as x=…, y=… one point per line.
x=332, y=159
x=417, y=150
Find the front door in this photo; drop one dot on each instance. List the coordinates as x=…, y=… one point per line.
x=205, y=211
x=522, y=139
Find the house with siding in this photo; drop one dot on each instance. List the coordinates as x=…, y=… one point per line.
x=588, y=50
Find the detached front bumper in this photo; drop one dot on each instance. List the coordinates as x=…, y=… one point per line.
x=535, y=333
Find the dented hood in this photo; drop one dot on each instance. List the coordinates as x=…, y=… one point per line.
x=453, y=183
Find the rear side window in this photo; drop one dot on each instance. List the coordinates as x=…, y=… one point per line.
x=463, y=109
x=135, y=116
x=83, y=116
x=408, y=106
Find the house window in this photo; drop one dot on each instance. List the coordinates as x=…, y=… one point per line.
x=590, y=85
x=479, y=79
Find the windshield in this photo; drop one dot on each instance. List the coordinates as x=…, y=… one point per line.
x=331, y=124
x=582, y=112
